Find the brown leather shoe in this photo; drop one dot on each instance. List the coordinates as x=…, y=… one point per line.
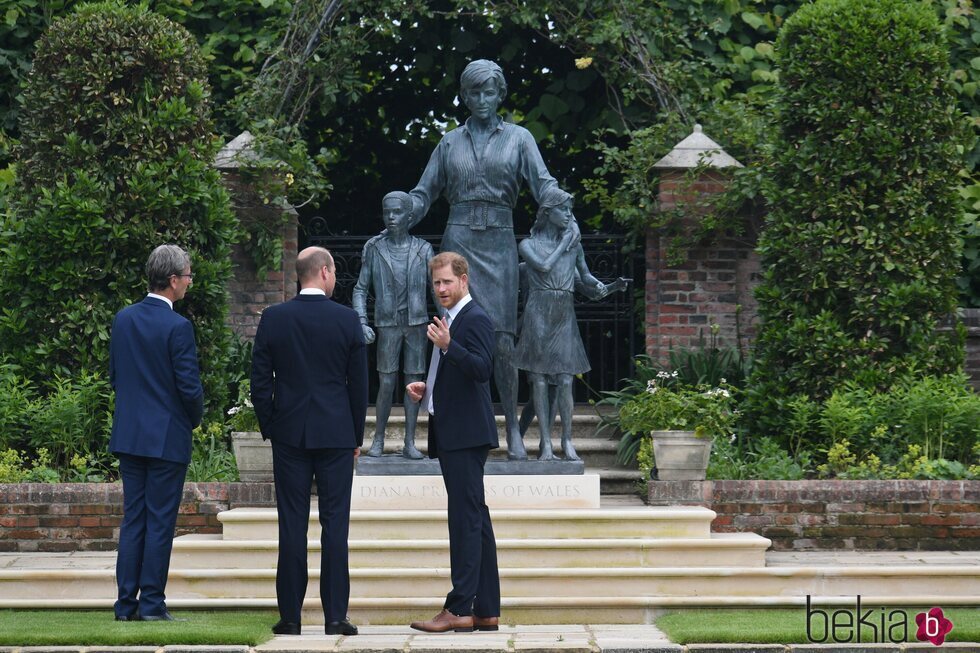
x=486, y=623
x=445, y=621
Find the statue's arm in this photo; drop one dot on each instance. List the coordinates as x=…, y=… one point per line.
x=533, y=169
x=539, y=262
x=430, y=185
x=363, y=286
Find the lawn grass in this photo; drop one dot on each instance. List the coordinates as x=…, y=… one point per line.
x=98, y=628
x=789, y=625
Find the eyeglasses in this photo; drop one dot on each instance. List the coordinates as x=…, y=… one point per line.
x=189, y=276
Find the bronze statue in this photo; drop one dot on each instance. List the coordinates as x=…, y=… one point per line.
x=550, y=348
x=395, y=267
x=479, y=167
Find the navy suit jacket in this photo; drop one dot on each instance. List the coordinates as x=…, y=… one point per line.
x=461, y=397
x=154, y=370
x=309, y=374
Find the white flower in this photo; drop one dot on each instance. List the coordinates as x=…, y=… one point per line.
x=731, y=438
x=233, y=410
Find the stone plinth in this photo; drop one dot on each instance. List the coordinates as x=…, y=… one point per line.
x=397, y=465
x=503, y=491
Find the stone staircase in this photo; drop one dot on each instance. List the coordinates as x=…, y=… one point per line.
x=620, y=563
x=597, y=450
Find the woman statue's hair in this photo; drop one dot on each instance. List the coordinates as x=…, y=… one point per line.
x=478, y=72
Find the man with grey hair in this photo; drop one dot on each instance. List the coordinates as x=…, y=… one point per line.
x=310, y=391
x=159, y=399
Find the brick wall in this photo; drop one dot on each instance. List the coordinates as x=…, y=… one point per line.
x=713, y=285
x=801, y=515
x=817, y=515
x=86, y=516
x=248, y=293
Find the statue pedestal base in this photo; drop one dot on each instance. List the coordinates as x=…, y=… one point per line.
x=503, y=491
x=397, y=465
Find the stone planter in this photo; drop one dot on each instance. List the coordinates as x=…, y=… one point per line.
x=253, y=455
x=680, y=455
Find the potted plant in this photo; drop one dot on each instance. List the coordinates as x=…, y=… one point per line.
x=252, y=454
x=681, y=422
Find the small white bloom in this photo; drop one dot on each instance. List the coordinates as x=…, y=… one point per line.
x=233, y=410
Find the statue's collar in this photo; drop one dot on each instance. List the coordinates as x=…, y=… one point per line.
x=469, y=121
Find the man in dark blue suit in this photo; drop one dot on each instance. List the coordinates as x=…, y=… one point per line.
x=310, y=391
x=462, y=431
x=159, y=399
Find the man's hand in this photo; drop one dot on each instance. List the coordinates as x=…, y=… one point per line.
x=438, y=333
x=415, y=390
x=368, y=333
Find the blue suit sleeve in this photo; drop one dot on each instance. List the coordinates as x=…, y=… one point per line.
x=262, y=380
x=473, y=355
x=183, y=353
x=357, y=381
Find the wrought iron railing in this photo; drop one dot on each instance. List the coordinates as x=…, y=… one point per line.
x=611, y=329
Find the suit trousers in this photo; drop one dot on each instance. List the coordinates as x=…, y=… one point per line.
x=152, y=489
x=294, y=470
x=472, y=546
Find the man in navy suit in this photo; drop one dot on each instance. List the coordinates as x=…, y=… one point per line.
x=159, y=400
x=462, y=432
x=310, y=391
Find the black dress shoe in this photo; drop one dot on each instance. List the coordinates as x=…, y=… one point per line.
x=286, y=628
x=163, y=616
x=344, y=627
x=131, y=617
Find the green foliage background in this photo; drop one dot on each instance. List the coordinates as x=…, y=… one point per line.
x=114, y=157
x=859, y=249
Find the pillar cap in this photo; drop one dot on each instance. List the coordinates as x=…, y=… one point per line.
x=236, y=153
x=695, y=151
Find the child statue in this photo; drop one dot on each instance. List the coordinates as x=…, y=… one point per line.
x=394, y=266
x=550, y=347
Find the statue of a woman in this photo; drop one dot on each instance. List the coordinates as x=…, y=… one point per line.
x=479, y=167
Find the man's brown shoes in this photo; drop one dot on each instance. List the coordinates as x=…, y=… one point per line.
x=444, y=622
x=486, y=623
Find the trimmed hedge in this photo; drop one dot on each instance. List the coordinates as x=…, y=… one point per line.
x=114, y=158
x=860, y=249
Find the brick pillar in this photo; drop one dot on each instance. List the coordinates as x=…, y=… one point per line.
x=249, y=294
x=711, y=285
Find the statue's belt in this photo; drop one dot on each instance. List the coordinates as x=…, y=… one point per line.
x=479, y=216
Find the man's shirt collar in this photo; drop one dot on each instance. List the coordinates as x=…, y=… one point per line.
x=162, y=298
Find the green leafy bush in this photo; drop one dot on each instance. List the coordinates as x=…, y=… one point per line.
x=114, y=158
x=860, y=247
x=211, y=456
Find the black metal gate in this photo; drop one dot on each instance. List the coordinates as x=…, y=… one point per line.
x=611, y=330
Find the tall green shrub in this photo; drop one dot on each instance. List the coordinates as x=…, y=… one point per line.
x=859, y=250
x=114, y=158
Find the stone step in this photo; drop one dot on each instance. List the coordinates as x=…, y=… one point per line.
x=614, y=523
x=736, y=549
x=395, y=595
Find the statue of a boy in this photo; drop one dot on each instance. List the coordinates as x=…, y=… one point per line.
x=394, y=267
